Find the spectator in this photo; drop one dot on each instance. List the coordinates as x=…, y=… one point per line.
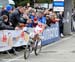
x=46, y=12
x=16, y=17
x=48, y=20
x=5, y=24
x=9, y=8
x=41, y=18
x=29, y=23
x=5, y=20
x=33, y=17
x=4, y=11
x=61, y=23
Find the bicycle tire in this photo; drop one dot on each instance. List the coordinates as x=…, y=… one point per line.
x=38, y=47
x=26, y=53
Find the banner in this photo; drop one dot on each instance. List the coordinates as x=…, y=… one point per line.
x=58, y=5
x=5, y=41
x=12, y=38
x=51, y=34
x=19, y=38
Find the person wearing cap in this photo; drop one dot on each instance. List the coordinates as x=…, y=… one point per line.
x=8, y=8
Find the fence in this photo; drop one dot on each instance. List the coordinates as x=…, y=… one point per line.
x=17, y=38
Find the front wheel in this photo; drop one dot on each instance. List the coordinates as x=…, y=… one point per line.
x=26, y=53
x=38, y=46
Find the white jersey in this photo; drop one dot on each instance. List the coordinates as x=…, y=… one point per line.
x=37, y=30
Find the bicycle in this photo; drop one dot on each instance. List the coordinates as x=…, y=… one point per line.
x=34, y=44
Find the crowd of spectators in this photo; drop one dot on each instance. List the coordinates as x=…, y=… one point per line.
x=12, y=18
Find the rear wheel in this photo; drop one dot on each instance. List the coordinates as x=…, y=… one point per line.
x=38, y=46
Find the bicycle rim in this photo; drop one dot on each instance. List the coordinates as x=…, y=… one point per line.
x=26, y=53
x=38, y=47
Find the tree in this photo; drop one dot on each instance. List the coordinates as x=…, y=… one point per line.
x=21, y=2
x=44, y=1
x=24, y=2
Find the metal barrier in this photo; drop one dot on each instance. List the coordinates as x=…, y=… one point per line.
x=15, y=38
x=51, y=34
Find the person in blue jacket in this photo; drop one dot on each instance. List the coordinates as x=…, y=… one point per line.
x=41, y=18
x=32, y=16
